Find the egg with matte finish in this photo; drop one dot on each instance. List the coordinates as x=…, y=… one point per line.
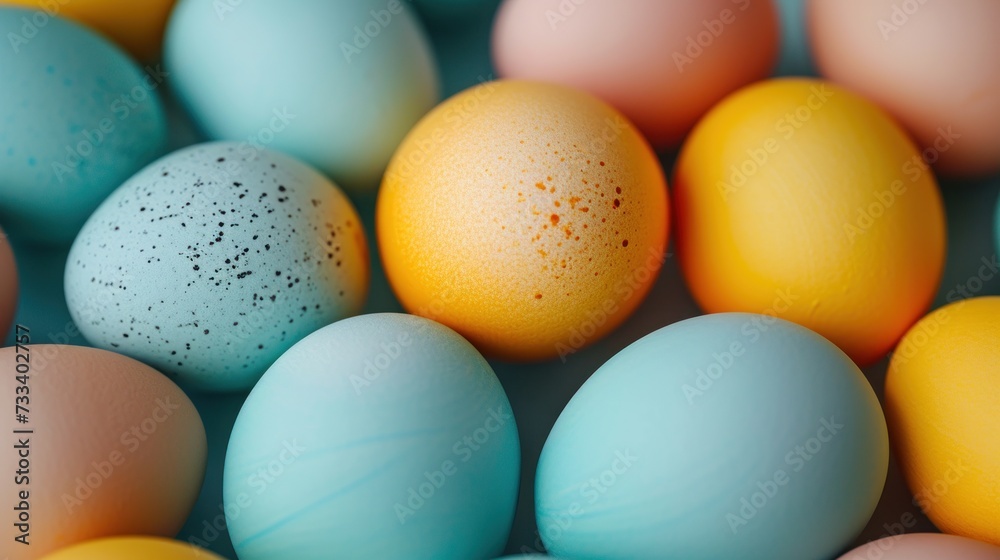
x=379, y=436
x=214, y=260
x=723, y=436
x=529, y=217
x=78, y=118
x=115, y=448
x=932, y=65
x=336, y=84
x=131, y=548
x=924, y=546
x=8, y=285
x=797, y=198
x=662, y=63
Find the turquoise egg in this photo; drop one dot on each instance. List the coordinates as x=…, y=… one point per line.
x=337, y=84
x=77, y=118
x=723, y=436
x=214, y=260
x=379, y=436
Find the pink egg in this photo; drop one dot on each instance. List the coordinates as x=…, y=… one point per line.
x=924, y=546
x=662, y=63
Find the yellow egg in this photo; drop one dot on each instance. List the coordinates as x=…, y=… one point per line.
x=798, y=199
x=137, y=26
x=530, y=218
x=133, y=548
x=942, y=397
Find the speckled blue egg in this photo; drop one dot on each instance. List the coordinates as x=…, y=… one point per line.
x=211, y=262
x=380, y=436
x=77, y=118
x=723, y=436
x=337, y=84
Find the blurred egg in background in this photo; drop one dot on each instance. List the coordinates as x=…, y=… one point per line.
x=924, y=546
x=79, y=117
x=663, y=64
x=932, y=65
x=252, y=73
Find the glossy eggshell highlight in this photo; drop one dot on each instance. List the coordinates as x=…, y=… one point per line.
x=663, y=64
x=395, y=440
x=117, y=448
x=924, y=546
x=932, y=65
x=799, y=199
x=942, y=396
x=214, y=260
x=136, y=26
x=133, y=548
x=723, y=436
x=79, y=117
x=336, y=84
x=8, y=285
x=530, y=218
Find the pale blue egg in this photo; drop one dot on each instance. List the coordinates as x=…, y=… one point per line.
x=77, y=118
x=380, y=436
x=718, y=437
x=337, y=84
x=214, y=260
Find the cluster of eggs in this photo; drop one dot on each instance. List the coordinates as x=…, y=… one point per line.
x=520, y=220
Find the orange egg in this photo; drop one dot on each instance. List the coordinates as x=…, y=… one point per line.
x=8, y=285
x=932, y=65
x=799, y=199
x=114, y=448
x=530, y=218
x=662, y=63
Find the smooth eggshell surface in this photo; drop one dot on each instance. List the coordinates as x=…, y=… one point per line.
x=336, y=84
x=137, y=26
x=931, y=64
x=395, y=440
x=214, y=260
x=116, y=448
x=663, y=64
x=133, y=548
x=924, y=546
x=942, y=398
x=723, y=436
x=79, y=117
x=799, y=199
x=531, y=218
x=8, y=285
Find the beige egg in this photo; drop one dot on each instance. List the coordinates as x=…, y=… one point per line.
x=8, y=285
x=924, y=546
x=109, y=447
x=932, y=64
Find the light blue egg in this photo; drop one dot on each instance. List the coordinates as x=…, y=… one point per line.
x=214, y=260
x=718, y=437
x=77, y=117
x=380, y=436
x=337, y=84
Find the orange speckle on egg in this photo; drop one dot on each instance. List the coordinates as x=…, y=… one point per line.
x=554, y=218
x=538, y=296
x=540, y=186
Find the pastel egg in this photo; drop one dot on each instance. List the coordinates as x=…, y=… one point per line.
x=723, y=436
x=924, y=546
x=214, y=260
x=336, y=84
x=942, y=393
x=395, y=440
x=79, y=117
x=663, y=64
x=926, y=63
x=115, y=448
x=799, y=199
x=8, y=285
x=136, y=26
x=530, y=218
x=131, y=548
